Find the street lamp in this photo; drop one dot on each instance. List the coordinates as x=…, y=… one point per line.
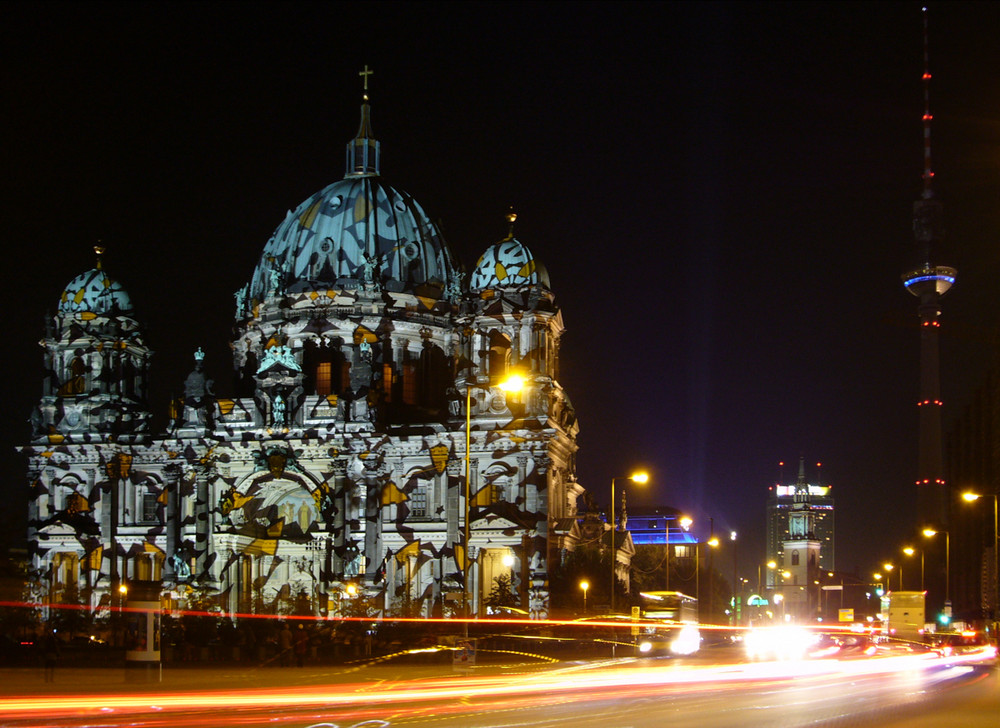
x=736, y=585
x=713, y=542
x=585, y=585
x=909, y=551
x=929, y=532
x=513, y=383
x=889, y=567
x=770, y=565
x=639, y=477
x=685, y=523
x=995, y=597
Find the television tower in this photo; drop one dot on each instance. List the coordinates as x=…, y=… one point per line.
x=929, y=282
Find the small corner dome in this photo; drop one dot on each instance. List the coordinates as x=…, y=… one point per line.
x=508, y=264
x=95, y=292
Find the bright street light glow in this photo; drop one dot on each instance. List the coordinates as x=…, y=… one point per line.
x=513, y=383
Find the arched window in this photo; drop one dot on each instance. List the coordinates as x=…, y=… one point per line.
x=499, y=356
x=795, y=558
x=323, y=366
x=434, y=378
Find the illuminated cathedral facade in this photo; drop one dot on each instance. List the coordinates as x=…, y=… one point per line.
x=367, y=455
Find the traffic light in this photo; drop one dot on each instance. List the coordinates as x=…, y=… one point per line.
x=944, y=619
x=879, y=590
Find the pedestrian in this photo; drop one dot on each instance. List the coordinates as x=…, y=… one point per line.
x=285, y=645
x=301, y=646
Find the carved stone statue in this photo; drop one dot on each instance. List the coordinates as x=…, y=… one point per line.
x=369, y=269
x=198, y=393
x=181, y=568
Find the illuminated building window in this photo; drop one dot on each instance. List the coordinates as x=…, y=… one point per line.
x=409, y=383
x=323, y=375
x=387, y=381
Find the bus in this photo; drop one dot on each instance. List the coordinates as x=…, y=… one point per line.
x=679, y=635
x=669, y=605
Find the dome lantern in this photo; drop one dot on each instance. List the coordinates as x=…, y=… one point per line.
x=364, y=151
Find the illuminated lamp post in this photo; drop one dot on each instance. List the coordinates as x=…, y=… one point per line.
x=736, y=585
x=713, y=542
x=930, y=532
x=995, y=597
x=770, y=565
x=639, y=477
x=889, y=567
x=585, y=585
x=909, y=551
x=513, y=383
x=685, y=523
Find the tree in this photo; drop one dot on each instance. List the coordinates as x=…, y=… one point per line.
x=74, y=615
x=588, y=562
x=502, y=593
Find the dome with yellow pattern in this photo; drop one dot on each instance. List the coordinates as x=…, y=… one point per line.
x=96, y=293
x=508, y=264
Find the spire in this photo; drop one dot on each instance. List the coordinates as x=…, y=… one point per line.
x=802, y=487
x=364, y=151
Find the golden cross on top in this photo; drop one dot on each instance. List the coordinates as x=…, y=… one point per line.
x=365, y=74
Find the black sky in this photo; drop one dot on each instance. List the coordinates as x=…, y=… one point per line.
x=721, y=192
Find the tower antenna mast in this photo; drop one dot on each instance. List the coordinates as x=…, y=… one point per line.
x=929, y=282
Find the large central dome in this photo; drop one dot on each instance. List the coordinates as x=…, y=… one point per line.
x=354, y=233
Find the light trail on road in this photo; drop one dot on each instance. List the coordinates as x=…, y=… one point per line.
x=437, y=697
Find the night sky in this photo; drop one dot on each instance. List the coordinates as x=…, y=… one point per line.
x=722, y=194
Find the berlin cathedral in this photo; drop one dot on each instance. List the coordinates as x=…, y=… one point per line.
x=368, y=450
